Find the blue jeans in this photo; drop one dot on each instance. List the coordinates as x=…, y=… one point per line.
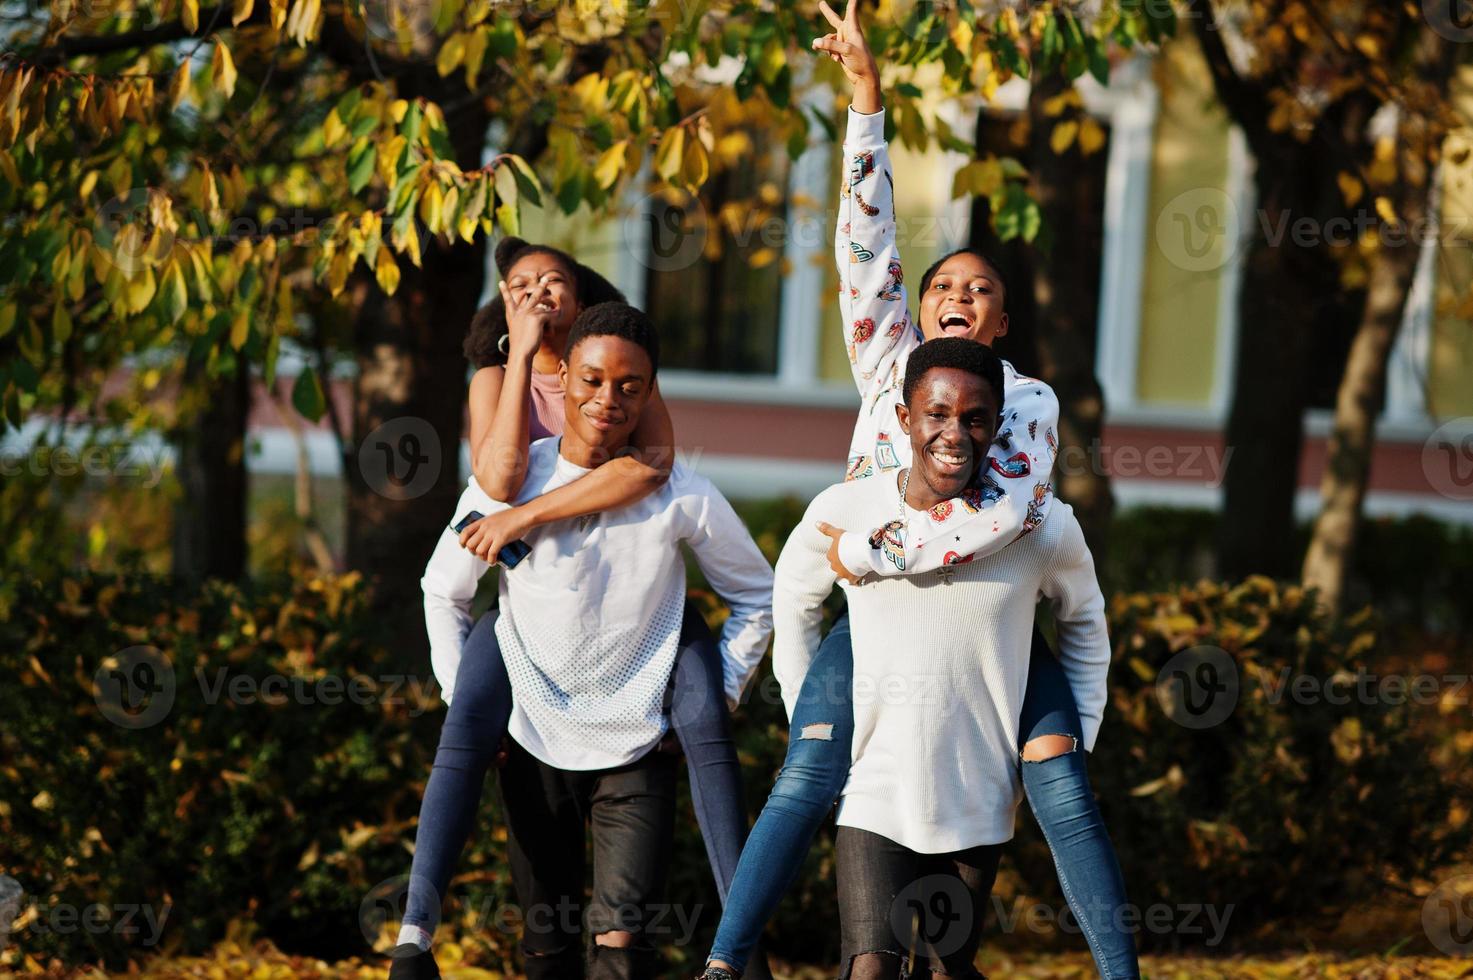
x=817, y=764
x=477, y=721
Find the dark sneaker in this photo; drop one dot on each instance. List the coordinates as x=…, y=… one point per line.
x=409, y=962
x=717, y=973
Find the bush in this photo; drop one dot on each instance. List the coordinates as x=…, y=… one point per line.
x=291, y=812
x=1275, y=800
x=223, y=804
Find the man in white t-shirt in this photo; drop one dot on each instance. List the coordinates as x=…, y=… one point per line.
x=589, y=626
x=940, y=666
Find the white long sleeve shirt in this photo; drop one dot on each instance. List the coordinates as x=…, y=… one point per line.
x=1013, y=493
x=590, y=619
x=940, y=667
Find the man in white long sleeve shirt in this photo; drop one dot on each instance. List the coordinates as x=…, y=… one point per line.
x=589, y=625
x=940, y=660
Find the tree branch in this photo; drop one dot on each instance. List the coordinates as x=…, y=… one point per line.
x=1245, y=101
x=66, y=47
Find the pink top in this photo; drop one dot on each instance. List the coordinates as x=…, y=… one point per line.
x=546, y=395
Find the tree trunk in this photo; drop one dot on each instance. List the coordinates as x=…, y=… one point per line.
x=1265, y=430
x=1358, y=403
x=1069, y=187
x=209, y=538
x=1362, y=391
x=403, y=457
x=1292, y=306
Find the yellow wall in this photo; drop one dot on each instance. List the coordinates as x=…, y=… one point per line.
x=1179, y=299
x=1450, y=376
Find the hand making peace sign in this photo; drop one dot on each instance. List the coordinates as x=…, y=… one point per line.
x=848, y=47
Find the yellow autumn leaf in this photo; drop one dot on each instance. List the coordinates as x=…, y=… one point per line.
x=610, y=164
x=386, y=270
x=333, y=129
x=222, y=70
x=179, y=85
x=1385, y=210
x=432, y=207
x=475, y=53
x=980, y=178
x=189, y=13
x=1350, y=187
x=696, y=167
x=670, y=154
x=1063, y=135
x=1091, y=135
x=337, y=271
x=452, y=52
x=138, y=292
x=278, y=14
x=240, y=329
x=61, y=323
x=241, y=11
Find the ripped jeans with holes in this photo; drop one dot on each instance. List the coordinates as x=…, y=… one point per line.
x=817, y=764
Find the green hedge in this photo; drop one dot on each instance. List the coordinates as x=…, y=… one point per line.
x=291, y=812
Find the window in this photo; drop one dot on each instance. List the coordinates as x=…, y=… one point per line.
x=714, y=267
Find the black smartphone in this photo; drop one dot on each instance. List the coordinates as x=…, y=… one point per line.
x=510, y=555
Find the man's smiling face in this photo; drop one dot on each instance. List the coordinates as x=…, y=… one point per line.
x=951, y=418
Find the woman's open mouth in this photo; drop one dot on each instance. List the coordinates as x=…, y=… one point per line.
x=957, y=323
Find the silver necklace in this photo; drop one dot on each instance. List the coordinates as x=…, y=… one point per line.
x=904, y=487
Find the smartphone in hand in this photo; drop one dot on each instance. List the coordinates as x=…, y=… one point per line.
x=510, y=554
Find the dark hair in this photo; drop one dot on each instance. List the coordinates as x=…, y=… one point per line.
x=930, y=273
x=954, y=352
x=616, y=319
x=488, y=326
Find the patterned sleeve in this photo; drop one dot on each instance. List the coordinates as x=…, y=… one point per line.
x=1009, y=497
x=878, y=333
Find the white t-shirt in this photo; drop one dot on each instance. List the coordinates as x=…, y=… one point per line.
x=590, y=619
x=940, y=666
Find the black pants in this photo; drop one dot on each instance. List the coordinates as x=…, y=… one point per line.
x=896, y=902
x=632, y=812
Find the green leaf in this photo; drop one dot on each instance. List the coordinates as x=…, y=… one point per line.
x=1099, y=65
x=360, y=165
x=527, y=183
x=570, y=193
x=412, y=119
x=61, y=323
x=173, y=293
x=307, y=396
